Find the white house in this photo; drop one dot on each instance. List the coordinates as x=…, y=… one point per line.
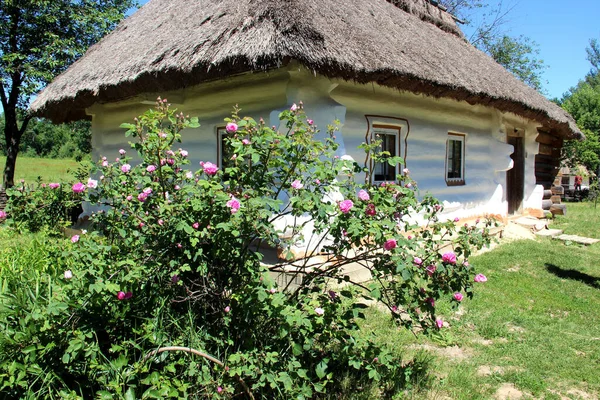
x=471, y=133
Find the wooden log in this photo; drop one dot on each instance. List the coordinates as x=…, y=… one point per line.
x=544, y=182
x=546, y=204
x=549, y=140
x=544, y=159
x=541, y=167
x=555, y=199
x=558, y=190
x=546, y=149
x=558, y=209
x=547, y=194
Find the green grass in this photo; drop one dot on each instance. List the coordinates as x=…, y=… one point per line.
x=582, y=219
x=535, y=324
x=50, y=170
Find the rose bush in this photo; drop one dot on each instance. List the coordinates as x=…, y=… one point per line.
x=168, y=297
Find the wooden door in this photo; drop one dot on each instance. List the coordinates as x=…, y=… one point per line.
x=515, y=177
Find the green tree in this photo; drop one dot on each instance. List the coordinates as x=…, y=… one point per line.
x=583, y=103
x=486, y=20
x=38, y=40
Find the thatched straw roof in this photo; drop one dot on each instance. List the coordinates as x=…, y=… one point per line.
x=410, y=45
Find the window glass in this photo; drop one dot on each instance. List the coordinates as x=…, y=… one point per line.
x=455, y=150
x=382, y=171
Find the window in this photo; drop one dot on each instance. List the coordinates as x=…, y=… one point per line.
x=223, y=155
x=390, y=143
x=455, y=159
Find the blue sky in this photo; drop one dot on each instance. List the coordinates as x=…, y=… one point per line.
x=562, y=31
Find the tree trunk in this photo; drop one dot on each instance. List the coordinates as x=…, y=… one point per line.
x=12, y=149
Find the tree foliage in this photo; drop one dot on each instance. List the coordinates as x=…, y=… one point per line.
x=38, y=40
x=583, y=103
x=486, y=20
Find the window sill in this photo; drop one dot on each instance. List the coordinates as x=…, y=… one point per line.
x=457, y=182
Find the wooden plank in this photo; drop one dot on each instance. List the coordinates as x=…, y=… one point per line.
x=549, y=140
x=558, y=190
x=544, y=159
x=546, y=149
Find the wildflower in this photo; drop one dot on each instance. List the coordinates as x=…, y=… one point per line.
x=125, y=168
x=233, y=204
x=151, y=168
x=231, y=127
x=78, y=187
x=294, y=107
x=363, y=195
x=417, y=261
x=54, y=185
x=74, y=238
x=345, y=206
x=439, y=323
x=458, y=296
x=297, y=184
x=183, y=153
x=319, y=311
x=122, y=152
x=480, y=278
x=390, y=244
x=92, y=184
x=68, y=274
x=210, y=168
x=449, y=258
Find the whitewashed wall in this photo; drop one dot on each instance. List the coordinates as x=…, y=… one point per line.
x=427, y=121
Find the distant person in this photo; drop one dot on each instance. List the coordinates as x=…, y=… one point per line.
x=578, y=180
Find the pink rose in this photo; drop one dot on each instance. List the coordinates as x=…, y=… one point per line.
x=317, y=181
x=161, y=222
x=417, y=261
x=129, y=198
x=78, y=187
x=124, y=296
x=480, y=278
x=234, y=205
x=142, y=197
x=219, y=389
x=54, y=185
x=272, y=290
x=231, y=127
x=105, y=163
x=458, y=296
x=183, y=153
x=456, y=219
x=406, y=171
x=319, y=311
x=370, y=211
x=245, y=142
x=151, y=168
x=310, y=121
x=345, y=206
x=390, y=244
x=74, y=238
x=297, y=184
x=294, y=107
x=68, y=274
x=439, y=323
x=125, y=168
x=363, y=195
x=195, y=225
x=431, y=301
x=92, y=184
x=449, y=258
x=210, y=168
x=431, y=269
x=227, y=309
x=122, y=152
x=2, y=215
x=147, y=191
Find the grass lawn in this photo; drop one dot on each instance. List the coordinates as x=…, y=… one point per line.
x=50, y=170
x=533, y=328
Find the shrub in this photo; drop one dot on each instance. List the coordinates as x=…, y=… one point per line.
x=168, y=296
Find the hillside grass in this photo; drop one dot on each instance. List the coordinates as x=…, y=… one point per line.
x=49, y=170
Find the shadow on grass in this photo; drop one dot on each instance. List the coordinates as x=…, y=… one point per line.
x=573, y=274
